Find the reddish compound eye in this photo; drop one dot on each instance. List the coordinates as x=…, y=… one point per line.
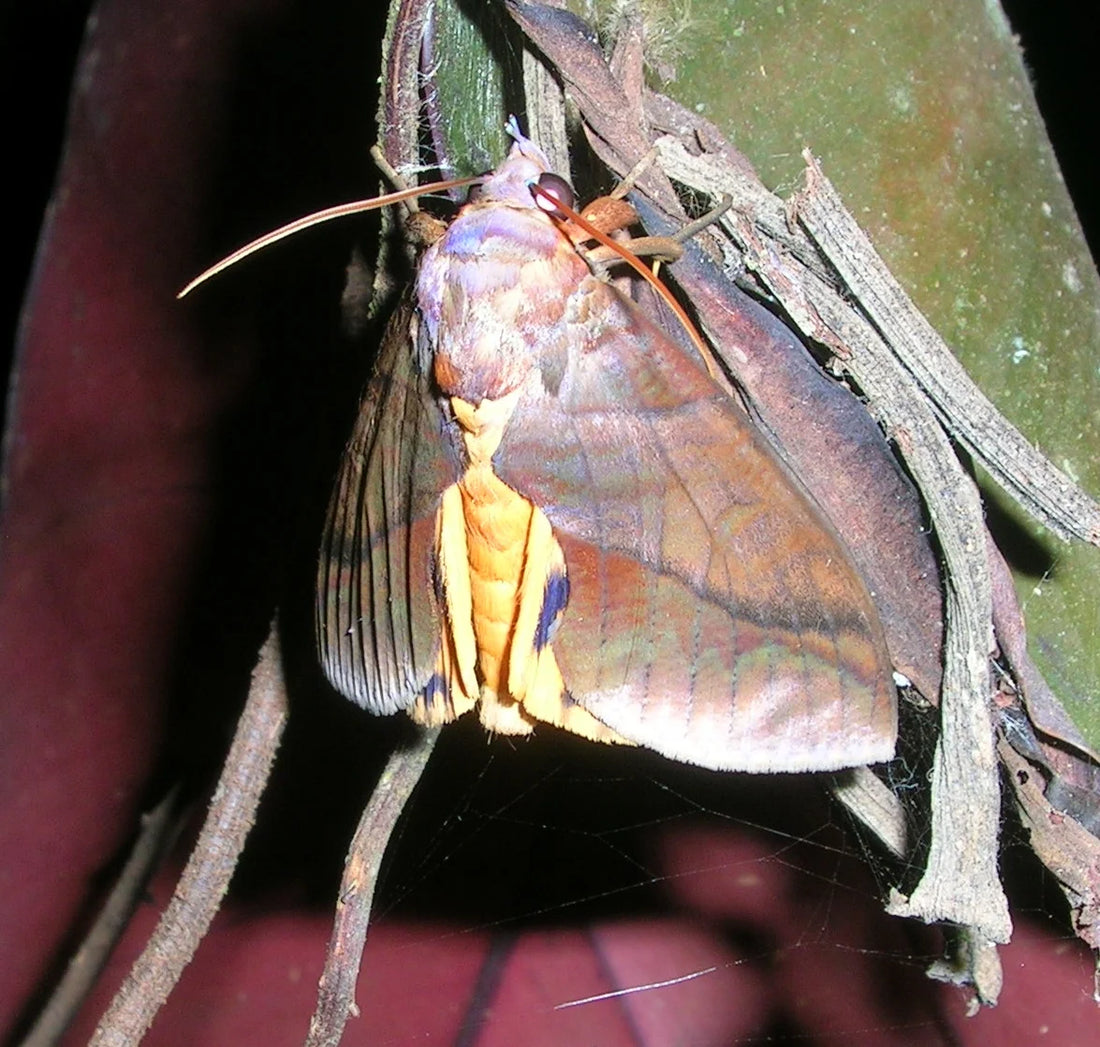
x=558, y=188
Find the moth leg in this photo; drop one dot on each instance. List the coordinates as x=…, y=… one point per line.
x=658, y=248
x=631, y=177
x=604, y=214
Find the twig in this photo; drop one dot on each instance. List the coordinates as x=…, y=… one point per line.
x=336, y=990
x=206, y=877
x=1065, y=846
x=866, y=797
x=971, y=960
x=84, y=967
x=1050, y=496
x=545, y=105
x=960, y=883
x=836, y=237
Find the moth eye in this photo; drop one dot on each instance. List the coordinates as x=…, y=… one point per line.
x=558, y=188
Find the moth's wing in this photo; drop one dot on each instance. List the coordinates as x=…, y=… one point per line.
x=377, y=619
x=713, y=614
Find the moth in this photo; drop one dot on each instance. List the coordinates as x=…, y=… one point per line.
x=549, y=511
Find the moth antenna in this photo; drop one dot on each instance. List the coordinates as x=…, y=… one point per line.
x=316, y=218
x=554, y=204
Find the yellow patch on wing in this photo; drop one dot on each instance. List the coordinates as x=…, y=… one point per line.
x=502, y=582
x=453, y=556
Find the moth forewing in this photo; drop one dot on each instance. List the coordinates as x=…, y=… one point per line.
x=377, y=621
x=558, y=514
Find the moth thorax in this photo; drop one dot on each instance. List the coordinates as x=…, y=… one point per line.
x=482, y=426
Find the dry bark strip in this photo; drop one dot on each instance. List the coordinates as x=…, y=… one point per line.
x=960, y=884
x=158, y=828
x=210, y=867
x=336, y=990
x=1031, y=478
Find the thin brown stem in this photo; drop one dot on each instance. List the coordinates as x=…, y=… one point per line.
x=156, y=829
x=206, y=877
x=336, y=991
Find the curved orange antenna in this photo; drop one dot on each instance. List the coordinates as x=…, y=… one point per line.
x=638, y=266
x=317, y=217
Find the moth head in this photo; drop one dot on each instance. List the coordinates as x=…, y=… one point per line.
x=509, y=183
